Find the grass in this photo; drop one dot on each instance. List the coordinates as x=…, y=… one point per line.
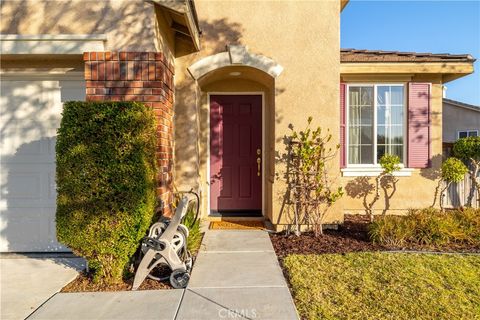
x=385, y=286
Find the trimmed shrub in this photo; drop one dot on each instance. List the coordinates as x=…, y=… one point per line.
x=105, y=182
x=429, y=226
x=453, y=170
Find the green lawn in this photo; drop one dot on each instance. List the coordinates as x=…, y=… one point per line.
x=385, y=286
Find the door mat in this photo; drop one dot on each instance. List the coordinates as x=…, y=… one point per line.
x=236, y=225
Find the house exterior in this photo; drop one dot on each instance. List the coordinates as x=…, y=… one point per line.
x=226, y=85
x=460, y=120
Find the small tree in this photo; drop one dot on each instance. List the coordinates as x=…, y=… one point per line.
x=453, y=170
x=468, y=150
x=312, y=187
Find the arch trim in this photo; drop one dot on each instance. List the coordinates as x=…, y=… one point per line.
x=235, y=55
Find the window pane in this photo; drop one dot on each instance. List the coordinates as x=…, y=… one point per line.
x=396, y=95
x=390, y=115
x=390, y=95
x=360, y=154
x=390, y=118
x=383, y=95
x=360, y=125
x=366, y=96
x=367, y=115
x=390, y=149
x=472, y=134
x=462, y=134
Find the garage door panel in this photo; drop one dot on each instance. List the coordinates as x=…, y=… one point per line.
x=30, y=114
x=18, y=236
x=27, y=185
x=28, y=138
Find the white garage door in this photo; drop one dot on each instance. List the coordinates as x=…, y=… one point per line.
x=31, y=107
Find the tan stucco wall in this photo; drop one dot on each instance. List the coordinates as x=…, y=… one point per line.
x=458, y=119
x=130, y=25
x=418, y=190
x=303, y=37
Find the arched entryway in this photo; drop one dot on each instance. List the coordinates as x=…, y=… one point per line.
x=237, y=115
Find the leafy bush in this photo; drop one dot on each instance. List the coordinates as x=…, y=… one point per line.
x=428, y=227
x=105, y=182
x=468, y=150
x=192, y=222
x=453, y=170
x=390, y=163
x=195, y=235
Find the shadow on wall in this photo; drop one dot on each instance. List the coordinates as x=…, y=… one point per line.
x=365, y=188
x=30, y=115
x=125, y=22
x=216, y=35
x=219, y=33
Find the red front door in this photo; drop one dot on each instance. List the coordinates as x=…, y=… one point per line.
x=235, y=148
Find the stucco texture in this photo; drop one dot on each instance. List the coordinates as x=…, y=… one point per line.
x=415, y=191
x=301, y=36
x=128, y=25
x=458, y=119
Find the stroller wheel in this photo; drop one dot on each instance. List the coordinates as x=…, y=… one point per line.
x=179, y=278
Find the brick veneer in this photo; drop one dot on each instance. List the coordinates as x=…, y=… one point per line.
x=138, y=76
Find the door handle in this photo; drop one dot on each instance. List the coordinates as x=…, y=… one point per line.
x=259, y=162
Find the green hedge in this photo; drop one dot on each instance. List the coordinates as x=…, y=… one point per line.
x=105, y=182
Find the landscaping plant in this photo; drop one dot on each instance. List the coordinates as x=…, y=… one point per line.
x=312, y=189
x=453, y=171
x=468, y=150
x=105, y=182
x=192, y=222
x=430, y=227
x=362, y=187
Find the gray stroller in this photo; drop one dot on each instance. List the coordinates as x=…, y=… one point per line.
x=166, y=247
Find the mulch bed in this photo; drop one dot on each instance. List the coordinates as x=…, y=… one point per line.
x=352, y=236
x=84, y=283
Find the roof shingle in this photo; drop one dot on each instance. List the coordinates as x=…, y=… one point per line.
x=354, y=55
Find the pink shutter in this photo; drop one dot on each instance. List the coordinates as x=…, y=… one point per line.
x=343, y=160
x=418, y=125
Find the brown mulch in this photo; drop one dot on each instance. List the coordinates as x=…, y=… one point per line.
x=84, y=283
x=352, y=236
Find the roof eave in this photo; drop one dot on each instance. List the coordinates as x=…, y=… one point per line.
x=461, y=104
x=187, y=10
x=343, y=4
x=449, y=70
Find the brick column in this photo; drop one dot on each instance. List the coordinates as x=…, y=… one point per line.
x=138, y=76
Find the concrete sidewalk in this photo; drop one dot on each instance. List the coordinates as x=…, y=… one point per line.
x=236, y=276
x=27, y=282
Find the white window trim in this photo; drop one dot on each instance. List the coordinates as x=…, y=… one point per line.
x=353, y=170
x=51, y=44
x=374, y=171
x=467, y=131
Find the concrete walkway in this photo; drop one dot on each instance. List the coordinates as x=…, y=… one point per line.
x=236, y=276
x=27, y=282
